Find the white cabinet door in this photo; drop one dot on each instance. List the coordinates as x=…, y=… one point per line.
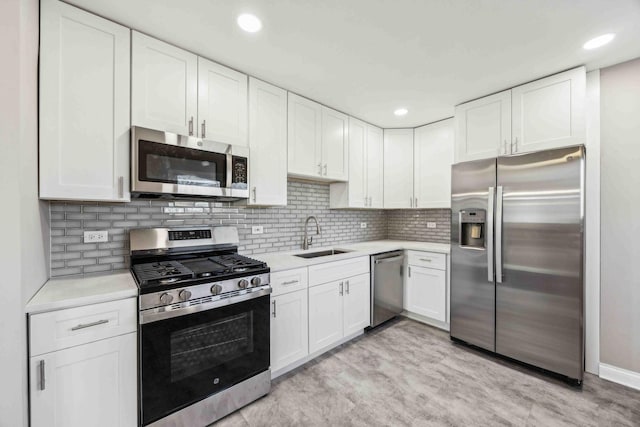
x=325, y=315
x=222, y=103
x=357, y=163
x=268, y=144
x=289, y=329
x=427, y=292
x=483, y=127
x=549, y=113
x=84, y=105
x=92, y=384
x=375, y=166
x=164, y=86
x=398, y=168
x=357, y=304
x=335, y=145
x=304, y=137
x=433, y=157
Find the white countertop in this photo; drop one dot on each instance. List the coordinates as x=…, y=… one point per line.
x=73, y=291
x=280, y=261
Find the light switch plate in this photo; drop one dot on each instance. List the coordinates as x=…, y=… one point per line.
x=431, y=225
x=363, y=225
x=96, y=236
x=257, y=229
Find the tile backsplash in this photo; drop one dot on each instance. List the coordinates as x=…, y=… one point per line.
x=283, y=226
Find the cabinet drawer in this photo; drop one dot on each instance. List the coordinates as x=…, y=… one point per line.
x=60, y=329
x=283, y=282
x=428, y=260
x=330, y=271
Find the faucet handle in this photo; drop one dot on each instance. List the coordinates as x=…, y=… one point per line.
x=309, y=241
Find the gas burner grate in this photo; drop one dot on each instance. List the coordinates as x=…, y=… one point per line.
x=161, y=272
x=237, y=263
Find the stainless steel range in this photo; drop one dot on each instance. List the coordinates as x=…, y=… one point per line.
x=204, y=324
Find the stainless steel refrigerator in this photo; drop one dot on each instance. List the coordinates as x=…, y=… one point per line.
x=517, y=257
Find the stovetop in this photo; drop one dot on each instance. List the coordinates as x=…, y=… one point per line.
x=162, y=275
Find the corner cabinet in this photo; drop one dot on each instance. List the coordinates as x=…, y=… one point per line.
x=398, y=168
x=433, y=157
x=317, y=141
x=365, y=186
x=268, y=144
x=84, y=105
x=544, y=114
x=83, y=366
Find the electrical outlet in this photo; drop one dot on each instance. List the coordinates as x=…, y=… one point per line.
x=363, y=225
x=257, y=229
x=96, y=236
x=431, y=225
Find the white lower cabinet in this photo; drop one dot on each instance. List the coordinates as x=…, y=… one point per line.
x=426, y=286
x=83, y=366
x=289, y=329
x=337, y=309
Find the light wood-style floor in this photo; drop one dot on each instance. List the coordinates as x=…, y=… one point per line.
x=409, y=374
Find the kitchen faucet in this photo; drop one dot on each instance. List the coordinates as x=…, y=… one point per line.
x=307, y=241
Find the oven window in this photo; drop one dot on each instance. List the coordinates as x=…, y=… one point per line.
x=180, y=165
x=203, y=347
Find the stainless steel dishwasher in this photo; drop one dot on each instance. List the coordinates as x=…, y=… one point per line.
x=387, y=290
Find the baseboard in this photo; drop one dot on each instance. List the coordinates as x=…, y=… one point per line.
x=620, y=375
x=426, y=320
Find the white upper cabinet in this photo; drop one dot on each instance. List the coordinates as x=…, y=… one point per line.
x=84, y=105
x=305, y=136
x=375, y=166
x=268, y=144
x=164, y=86
x=483, y=127
x=433, y=157
x=317, y=141
x=398, y=168
x=357, y=185
x=549, y=113
x=222, y=103
x=335, y=145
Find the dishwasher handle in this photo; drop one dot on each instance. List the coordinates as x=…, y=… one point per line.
x=391, y=259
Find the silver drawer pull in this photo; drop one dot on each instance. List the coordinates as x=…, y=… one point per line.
x=88, y=325
x=290, y=282
x=425, y=259
x=42, y=379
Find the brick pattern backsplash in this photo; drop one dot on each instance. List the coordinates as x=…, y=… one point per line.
x=283, y=226
x=412, y=225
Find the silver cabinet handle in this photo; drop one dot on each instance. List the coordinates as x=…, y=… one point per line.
x=489, y=234
x=411, y=201
x=499, y=193
x=325, y=169
x=504, y=147
x=514, y=145
x=416, y=204
x=370, y=203
x=365, y=202
x=425, y=259
x=320, y=168
x=409, y=271
x=191, y=126
x=204, y=128
x=255, y=194
x=88, y=325
x=390, y=259
x=347, y=282
x=341, y=288
x=290, y=282
x=42, y=382
x=274, y=308
x=121, y=187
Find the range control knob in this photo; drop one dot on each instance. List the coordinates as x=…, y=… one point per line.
x=216, y=289
x=166, y=298
x=184, y=295
x=243, y=284
x=256, y=281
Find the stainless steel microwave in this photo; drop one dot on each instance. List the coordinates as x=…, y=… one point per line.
x=167, y=164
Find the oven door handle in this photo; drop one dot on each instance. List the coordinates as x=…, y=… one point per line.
x=161, y=313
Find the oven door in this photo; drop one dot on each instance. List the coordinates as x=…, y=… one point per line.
x=187, y=358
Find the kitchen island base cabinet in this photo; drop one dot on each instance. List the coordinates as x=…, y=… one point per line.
x=289, y=329
x=91, y=384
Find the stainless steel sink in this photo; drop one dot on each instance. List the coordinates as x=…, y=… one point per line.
x=321, y=253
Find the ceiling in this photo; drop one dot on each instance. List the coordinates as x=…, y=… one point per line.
x=369, y=57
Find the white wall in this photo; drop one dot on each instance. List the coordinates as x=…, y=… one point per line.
x=24, y=238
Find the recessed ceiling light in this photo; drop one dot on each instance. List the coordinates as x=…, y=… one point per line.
x=250, y=23
x=401, y=112
x=599, y=41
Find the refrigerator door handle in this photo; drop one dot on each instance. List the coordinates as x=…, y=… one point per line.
x=499, y=234
x=489, y=236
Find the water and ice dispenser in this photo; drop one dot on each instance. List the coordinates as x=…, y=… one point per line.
x=473, y=228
